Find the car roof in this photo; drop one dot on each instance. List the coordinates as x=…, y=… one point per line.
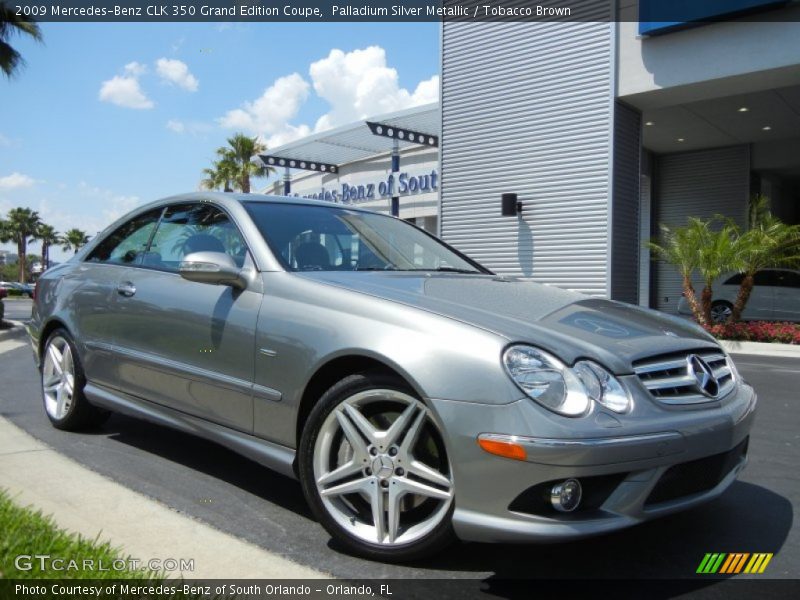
x=224, y=197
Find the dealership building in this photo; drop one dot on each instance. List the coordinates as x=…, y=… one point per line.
x=351, y=165
x=594, y=132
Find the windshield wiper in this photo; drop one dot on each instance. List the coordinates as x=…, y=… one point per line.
x=447, y=270
x=374, y=269
x=436, y=270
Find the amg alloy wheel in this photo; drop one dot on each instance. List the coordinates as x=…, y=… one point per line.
x=62, y=386
x=375, y=468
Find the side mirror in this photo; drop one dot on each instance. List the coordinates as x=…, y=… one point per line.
x=216, y=268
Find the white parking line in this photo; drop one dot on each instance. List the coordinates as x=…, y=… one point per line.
x=12, y=344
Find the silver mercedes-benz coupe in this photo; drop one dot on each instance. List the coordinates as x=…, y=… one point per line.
x=416, y=395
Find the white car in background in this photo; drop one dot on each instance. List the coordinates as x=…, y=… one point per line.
x=775, y=297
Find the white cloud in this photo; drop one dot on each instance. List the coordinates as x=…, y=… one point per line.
x=178, y=44
x=360, y=84
x=176, y=126
x=114, y=206
x=189, y=127
x=269, y=115
x=5, y=141
x=176, y=72
x=124, y=90
x=427, y=91
x=288, y=133
x=355, y=84
x=135, y=69
x=16, y=181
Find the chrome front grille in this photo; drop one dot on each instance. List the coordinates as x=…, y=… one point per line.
x=669, y=379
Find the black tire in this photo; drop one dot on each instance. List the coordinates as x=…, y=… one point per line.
x=717, y=307
x=80, y=414
x=433, y=542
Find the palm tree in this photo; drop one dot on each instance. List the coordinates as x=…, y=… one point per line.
x=221, y=175
x=681, y=247
x=242, y=150
x=10, y=24
x=768, y=242
x=21, y=225
x=73, y=240
x=48, y=237
x=717, y=254
x=239, y=153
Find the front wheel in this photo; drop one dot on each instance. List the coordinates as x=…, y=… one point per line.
x=375, y=471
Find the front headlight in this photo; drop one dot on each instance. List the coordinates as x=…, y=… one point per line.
x=602, y=386
x=546, y=380
x=566, y=391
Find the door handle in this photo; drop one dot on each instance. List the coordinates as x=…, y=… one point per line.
x=126, y=288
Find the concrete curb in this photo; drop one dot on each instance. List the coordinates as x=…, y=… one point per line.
x=17, y=330
x=87, y=503
x=761, y=349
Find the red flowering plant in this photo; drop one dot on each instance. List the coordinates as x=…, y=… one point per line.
x=757, y=331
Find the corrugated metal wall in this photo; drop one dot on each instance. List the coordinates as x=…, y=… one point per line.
x=645, y=226
x=527, y=108
x=700, y=184
x=625, y=242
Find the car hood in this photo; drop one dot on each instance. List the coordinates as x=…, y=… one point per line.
x=569, y=324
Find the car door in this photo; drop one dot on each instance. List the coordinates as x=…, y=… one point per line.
x=760, y=304
x=786, y=303
x=91, y=289
x=182, y=344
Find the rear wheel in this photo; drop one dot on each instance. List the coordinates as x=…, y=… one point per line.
x=721, y=311
x=62, y=386
x=374, y=469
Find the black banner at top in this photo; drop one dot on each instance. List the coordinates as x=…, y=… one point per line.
x=662, y=12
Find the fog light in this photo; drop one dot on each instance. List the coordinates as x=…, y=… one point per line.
x=566, y=496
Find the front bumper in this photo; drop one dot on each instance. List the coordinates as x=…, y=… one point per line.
x=629, y=474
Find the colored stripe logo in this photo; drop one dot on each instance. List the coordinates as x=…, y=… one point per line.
x=734, y=563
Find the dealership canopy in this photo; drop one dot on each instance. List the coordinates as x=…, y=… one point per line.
x=359, y=140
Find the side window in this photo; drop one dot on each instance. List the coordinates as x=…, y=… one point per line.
x=765, y=278
x=735, y=280
x=127, y=244
x=790, y=279
x=188, y=228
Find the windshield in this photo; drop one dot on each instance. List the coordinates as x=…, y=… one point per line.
x=321, y=238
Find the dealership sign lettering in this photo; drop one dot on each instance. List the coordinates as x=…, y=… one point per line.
x=402, y=185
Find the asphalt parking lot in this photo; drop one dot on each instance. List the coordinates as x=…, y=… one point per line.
x=235, y=495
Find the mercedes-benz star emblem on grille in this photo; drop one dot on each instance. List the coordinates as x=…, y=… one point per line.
x=705, y=382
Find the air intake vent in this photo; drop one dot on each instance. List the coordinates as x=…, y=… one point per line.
x=686, y=378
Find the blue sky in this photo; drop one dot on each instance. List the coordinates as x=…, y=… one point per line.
x=108, y=116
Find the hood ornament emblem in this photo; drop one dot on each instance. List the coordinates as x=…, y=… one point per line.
x=704, y=380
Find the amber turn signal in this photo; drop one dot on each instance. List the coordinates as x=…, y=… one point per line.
x=501, y=447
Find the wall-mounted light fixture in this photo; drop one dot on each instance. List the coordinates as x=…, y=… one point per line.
x=511, y=206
